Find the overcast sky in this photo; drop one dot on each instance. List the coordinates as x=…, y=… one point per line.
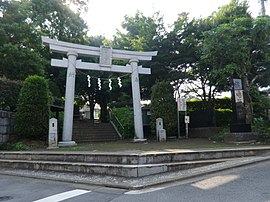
x=105, y=16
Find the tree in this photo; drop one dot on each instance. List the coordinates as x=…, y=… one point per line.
x=239, y=48
x=163, y=105
x=144, y=34
x=32, y=117
x=9, y=93
x=188, y=73
x=21, y=26
x=19, y=57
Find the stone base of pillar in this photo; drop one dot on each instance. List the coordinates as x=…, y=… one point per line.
x=139, y=140
x=67, y=144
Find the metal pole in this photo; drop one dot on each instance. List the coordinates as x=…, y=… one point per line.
x=186, y=126
x=178, y=123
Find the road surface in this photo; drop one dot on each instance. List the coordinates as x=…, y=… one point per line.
x=249, y=183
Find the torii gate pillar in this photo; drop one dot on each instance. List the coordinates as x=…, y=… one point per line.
x=138, y=124
x=69, y=100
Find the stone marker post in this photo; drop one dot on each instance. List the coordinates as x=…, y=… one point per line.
x=53, y=134
x=159, y=126
x=162, y=135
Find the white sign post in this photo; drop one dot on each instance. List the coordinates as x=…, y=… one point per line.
x=181, y=106
x=106, y=55
x=187, y=120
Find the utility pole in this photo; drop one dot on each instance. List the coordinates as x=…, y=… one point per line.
x=262, y=7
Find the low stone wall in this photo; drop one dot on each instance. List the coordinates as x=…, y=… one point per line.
x=7, y=122
x=205, y=132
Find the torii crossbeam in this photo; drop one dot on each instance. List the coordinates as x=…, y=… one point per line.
x=106, y=56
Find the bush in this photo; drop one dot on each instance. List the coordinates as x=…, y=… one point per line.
x=32, y=118
x=220, y=135
x=125, y=117
x=19, y=146
x=262, y=128
x=163, y=105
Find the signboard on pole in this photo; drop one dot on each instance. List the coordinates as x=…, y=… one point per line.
x=237, y=84
x=239, y=97
x=182, y=104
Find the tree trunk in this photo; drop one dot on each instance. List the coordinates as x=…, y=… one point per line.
x=247, y=97
x=104, y=112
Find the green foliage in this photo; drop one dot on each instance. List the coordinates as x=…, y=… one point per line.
x=220, y=135
x=262, y=127
x=19, y=146
x=125, y=117
x=261, y=103
x=9, y=93
x=17, y=63
x=32, y=118
x=219, y=103
x=163, y=105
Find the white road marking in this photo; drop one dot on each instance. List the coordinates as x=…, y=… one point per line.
x=215, y=181
x=63, y=196
x=136, y=192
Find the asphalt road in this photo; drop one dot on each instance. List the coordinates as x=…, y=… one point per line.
x=249, y=183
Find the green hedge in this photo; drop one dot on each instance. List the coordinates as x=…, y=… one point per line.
x=32, y=117
x=219, y=103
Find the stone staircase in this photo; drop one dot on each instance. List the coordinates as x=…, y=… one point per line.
x=85, y=131
x=122, y=165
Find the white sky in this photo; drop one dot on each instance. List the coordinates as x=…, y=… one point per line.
x=105, y=16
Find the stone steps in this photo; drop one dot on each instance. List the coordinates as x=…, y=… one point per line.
x=122, y=170
x=123, y=165
x=85, y=131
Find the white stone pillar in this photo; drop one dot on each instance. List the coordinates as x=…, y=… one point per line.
x=138, y=124
x=69, y=100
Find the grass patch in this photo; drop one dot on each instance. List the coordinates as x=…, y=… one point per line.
x=23, y=145
x=172, y=145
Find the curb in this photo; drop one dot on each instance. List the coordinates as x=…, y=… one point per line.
x=133, y=183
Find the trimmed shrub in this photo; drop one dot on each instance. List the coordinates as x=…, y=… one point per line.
x=163, y=105
x=32, y=118
x=219, y=103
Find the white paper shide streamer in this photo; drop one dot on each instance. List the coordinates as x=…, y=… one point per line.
x=110, y=84
x=99, y=84
x=119, y=82
x=89, y=81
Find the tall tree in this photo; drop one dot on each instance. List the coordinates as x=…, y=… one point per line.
x=144, y=34
x=240, y=48
x=18, y=43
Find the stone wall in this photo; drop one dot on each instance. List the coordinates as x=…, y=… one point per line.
x=205, y=132
x=7, y=122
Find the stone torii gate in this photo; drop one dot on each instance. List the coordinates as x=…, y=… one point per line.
x=106, y=55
